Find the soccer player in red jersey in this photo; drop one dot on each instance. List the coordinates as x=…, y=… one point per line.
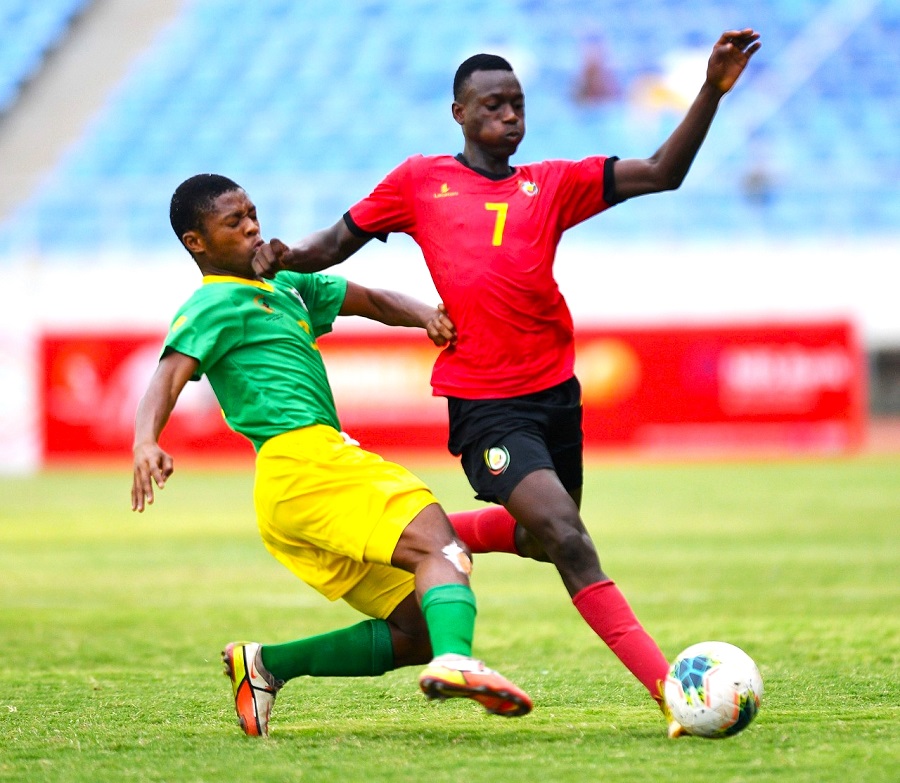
x=489, y=231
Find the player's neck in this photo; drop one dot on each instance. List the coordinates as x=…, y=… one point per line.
x=490, y=166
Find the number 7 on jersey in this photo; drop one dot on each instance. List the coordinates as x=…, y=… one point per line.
x=501, y=210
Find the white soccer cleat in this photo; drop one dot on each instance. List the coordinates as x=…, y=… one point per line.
x=253, y=686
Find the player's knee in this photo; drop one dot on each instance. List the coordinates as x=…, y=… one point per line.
x=458, y=556
x=571, y=549
x=410, y=554
x=528, y=546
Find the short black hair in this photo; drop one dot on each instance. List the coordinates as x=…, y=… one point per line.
x=477, y=62
x=194, y=198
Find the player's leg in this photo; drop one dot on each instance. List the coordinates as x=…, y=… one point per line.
x=395, y=636
x=310, y=521
x=494, y=440
x=366, y=649
x=542, y=505
x=297, y=511
x=409, y=634
x=493, y=529
x=537, y=472
x=429, y=549
x=507, y=457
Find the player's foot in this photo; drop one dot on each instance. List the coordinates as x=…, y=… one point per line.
x=455, y=676
x=675, y=729
x=254, y=687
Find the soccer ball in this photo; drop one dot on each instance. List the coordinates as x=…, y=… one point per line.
x=713, y=689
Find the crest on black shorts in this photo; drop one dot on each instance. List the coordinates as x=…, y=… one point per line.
x=497, y=459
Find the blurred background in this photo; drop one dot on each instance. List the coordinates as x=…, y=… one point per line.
x=789, y=220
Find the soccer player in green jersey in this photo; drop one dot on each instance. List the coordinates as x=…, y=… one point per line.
x=347, y=522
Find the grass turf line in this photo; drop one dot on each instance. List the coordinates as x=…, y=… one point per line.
x=112, y=624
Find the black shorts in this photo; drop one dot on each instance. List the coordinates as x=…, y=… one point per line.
x=499, y=442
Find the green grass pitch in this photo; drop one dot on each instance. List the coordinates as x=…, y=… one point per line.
x=111, y=625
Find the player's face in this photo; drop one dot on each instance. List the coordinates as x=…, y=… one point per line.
x=492, y=111
x=230, y=234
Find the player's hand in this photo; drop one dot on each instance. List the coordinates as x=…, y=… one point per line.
x=271, y=258
x=151, y=464
x=730, y=56
x=440, y=328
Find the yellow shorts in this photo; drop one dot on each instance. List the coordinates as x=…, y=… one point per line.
x=333, y=513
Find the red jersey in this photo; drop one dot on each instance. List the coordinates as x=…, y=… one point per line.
x=490, y=244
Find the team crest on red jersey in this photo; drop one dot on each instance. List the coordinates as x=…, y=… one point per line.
x=529, y=188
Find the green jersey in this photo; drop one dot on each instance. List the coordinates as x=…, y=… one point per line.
x=256, y=342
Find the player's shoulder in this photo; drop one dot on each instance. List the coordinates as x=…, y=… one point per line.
x=319, y=294
x=561, y=164
x=419, y=171
x=590, y=169
x=420, y=163
x=218, y=291
x=192, y=309
x=205, y=299
x=306, y=283
x=202, y=297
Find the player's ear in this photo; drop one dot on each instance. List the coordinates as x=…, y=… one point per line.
x=459, y=112
x=193, y=241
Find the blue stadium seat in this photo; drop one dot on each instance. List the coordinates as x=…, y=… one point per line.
x=28, y=31
x=322, y=93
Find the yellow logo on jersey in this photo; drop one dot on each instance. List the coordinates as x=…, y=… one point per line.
x=306, y=328
x=260, y=301
x=529, y=188
x=445, y=192
x=179, y=322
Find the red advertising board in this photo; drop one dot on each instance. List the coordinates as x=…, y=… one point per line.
x=90, y=389
x=796, y=386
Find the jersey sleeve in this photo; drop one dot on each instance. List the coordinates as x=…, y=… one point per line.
x=323, y=296
x=587, y=188
x=205, y=329
x=388, y=208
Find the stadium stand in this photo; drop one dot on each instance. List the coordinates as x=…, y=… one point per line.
x=28, y=32
x=309, y=103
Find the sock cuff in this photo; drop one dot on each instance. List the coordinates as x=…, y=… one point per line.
x=382, y=647
x=491, y=529
x=586, y=592
x=448, y=594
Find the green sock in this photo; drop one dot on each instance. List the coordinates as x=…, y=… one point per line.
x=362, y=650
x=450, y=614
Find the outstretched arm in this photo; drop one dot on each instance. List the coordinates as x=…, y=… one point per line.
x=669, y=165
x=396, y=309
x=316, y=252
x=151, y=463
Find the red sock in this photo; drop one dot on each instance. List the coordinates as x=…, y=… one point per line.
x=606, y=611
x=490, y=529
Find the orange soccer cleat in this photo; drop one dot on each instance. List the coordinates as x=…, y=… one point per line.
x=455, y=676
